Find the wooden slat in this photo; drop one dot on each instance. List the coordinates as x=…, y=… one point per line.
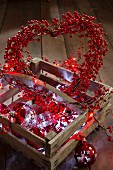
x=3, y=10
x=11, y=23
x=94, y=85
x=24, y=132
x=71, y=44
x=8, y=94
x=85, y=8
x=49, y=137
x=52, y=48
x=49, y=80
x=32, y=11
x=105, y=17
x=95, y=8
x=38, y=64
x=109, y=5
x=58, y=140
x=16, y=101
x=70, y=145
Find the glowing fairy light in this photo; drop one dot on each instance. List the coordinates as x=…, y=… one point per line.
x=1, y=86
x=90, y=115
x=6, y=65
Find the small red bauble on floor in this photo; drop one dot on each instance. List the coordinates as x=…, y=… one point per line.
x=85, y=154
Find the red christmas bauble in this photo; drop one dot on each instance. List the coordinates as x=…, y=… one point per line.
x=38, y=132
x=20, y=112
x=85, y=154
x=4, y=109
x=5, y=112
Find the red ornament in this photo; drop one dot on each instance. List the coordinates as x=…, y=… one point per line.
x=4, y=109
x=85, y=154
x=20, y=109
x=49, y=127
x=20, y=112
x=38, y=132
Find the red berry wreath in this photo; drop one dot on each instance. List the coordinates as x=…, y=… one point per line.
x=81, y=25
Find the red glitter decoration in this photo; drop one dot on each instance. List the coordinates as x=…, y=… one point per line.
x=19, y=116
x=19, y=108
x=4, y=109
x=85, y=154
x=20, y=112
x=5, y=112
x=39, y=132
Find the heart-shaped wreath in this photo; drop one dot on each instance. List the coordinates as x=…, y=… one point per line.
x=83, y=26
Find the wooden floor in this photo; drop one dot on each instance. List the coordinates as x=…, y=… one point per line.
x=13, y=14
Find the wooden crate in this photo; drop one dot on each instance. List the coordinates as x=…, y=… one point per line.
x=56, y=147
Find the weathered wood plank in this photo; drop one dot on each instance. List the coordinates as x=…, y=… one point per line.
x=52, y=48
x=8, y=94
x=109, y=4
x=38, y=64
x=3, y=10
x=71, y=44
x=102, y=13
x=49, y=137
x=85, y=8
x=11, y=24
x=32, y=11
x=105, y=17
x=21, y=99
